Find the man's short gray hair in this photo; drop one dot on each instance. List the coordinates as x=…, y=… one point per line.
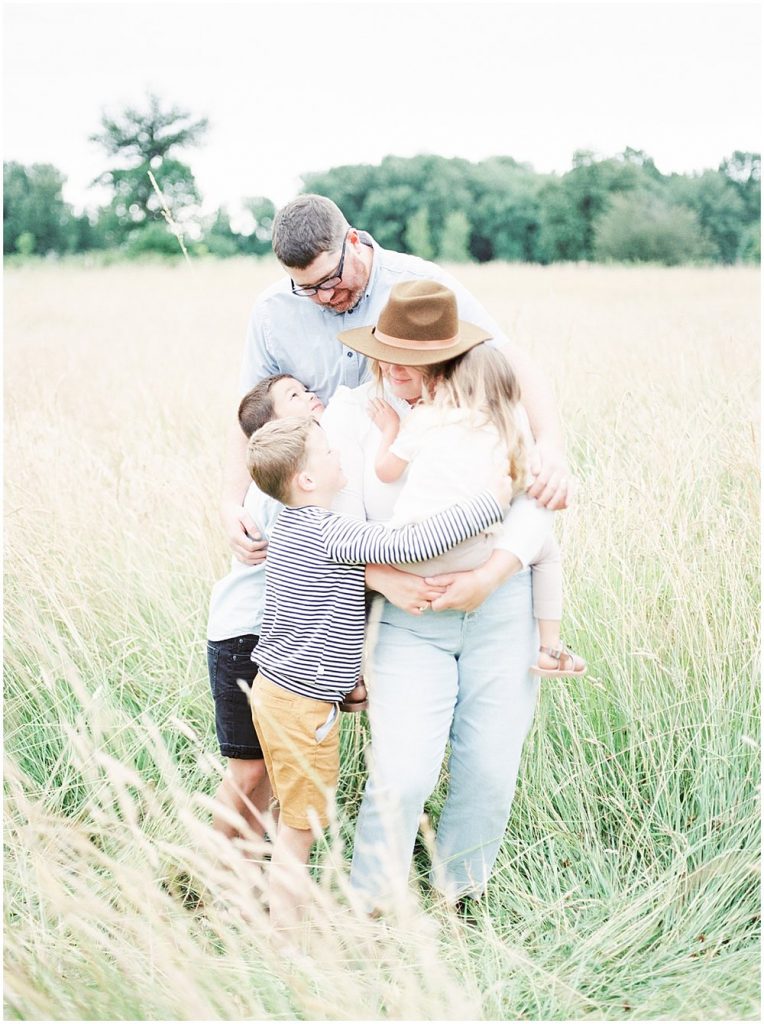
x=306, y=227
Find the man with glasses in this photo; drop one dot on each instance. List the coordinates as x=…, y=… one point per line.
x=339, y=278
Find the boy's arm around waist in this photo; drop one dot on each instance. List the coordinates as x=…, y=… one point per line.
x=353, y=542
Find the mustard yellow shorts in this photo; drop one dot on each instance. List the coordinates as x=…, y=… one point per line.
x=303, y=764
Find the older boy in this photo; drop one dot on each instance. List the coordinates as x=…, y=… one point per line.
x=311, y=640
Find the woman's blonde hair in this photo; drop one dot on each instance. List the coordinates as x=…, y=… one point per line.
x=482, y=380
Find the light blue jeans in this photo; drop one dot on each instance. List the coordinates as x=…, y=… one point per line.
x=452, y=675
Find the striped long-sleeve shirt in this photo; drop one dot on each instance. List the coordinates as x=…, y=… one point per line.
x=312, y=635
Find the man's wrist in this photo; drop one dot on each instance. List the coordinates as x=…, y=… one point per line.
x=552, y=440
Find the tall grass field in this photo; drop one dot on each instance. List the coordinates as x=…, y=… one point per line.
x=627, y=886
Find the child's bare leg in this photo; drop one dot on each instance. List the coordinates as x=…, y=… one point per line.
x=288, y=889
x=245, y=789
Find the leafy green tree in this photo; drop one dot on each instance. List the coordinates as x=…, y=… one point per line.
x=640, y=227
x=25, y=243
x=84, y=234
x=514, y=213
x=143, y=140
x=562, y=225
x=569, y=212
x=504, y=210
x=153, y=237
x=638, y=158
x=109, y=229
x=743, y=171
x=592, y=182
x=219, y=238
x=386, y=213
x=719, y=208
x=418, y=238
x=441, y=187
x=454, y=241
x=750, y=244
x=261, y=212
x=34, y=207
x=383, y=199
x=349, y=186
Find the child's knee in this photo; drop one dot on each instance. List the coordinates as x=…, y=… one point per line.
x=246, y=774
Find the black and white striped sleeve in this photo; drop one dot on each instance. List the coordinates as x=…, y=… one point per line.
x=353, y=542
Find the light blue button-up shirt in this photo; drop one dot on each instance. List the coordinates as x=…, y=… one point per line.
x=290, y=334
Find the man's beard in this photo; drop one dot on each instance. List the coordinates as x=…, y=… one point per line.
x=355, y=299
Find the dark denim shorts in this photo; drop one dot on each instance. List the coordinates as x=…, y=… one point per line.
x=228, y=661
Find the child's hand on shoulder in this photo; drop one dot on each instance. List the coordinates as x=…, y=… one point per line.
x=384, y=417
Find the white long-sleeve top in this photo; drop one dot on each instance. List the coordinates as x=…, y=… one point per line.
x=352, y=433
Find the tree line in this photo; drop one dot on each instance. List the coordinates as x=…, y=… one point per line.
x=619, y=208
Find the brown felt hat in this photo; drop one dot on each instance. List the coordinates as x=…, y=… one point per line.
x=418, y=325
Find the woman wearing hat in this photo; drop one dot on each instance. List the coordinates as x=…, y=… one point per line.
x=434, y=676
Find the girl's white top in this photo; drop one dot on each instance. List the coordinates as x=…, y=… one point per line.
x=452, y=459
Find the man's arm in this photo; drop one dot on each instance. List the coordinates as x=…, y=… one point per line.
x=552, y=484
x=237, y=523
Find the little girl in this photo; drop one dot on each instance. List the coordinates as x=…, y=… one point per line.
x=468, y=423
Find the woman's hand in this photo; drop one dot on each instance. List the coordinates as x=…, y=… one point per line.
x=406, y=591
x=384, y=417
x=466, y=591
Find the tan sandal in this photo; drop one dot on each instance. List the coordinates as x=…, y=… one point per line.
x=560, y=653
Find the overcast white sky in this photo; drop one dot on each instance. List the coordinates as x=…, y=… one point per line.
x=292, y=87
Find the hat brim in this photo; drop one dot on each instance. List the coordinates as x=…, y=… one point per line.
x=363, y=340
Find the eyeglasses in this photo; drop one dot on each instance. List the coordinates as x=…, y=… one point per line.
x=328, y=283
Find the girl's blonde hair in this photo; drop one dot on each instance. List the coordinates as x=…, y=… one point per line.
x=482, y=380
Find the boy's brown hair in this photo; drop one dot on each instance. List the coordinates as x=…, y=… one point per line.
x=256, y=407
x=276, y=452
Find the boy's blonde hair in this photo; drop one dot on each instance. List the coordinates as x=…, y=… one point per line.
x=482, y=380
x=276, y=452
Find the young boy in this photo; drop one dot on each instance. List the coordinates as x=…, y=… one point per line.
x=235, y=615
x=309, y=654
